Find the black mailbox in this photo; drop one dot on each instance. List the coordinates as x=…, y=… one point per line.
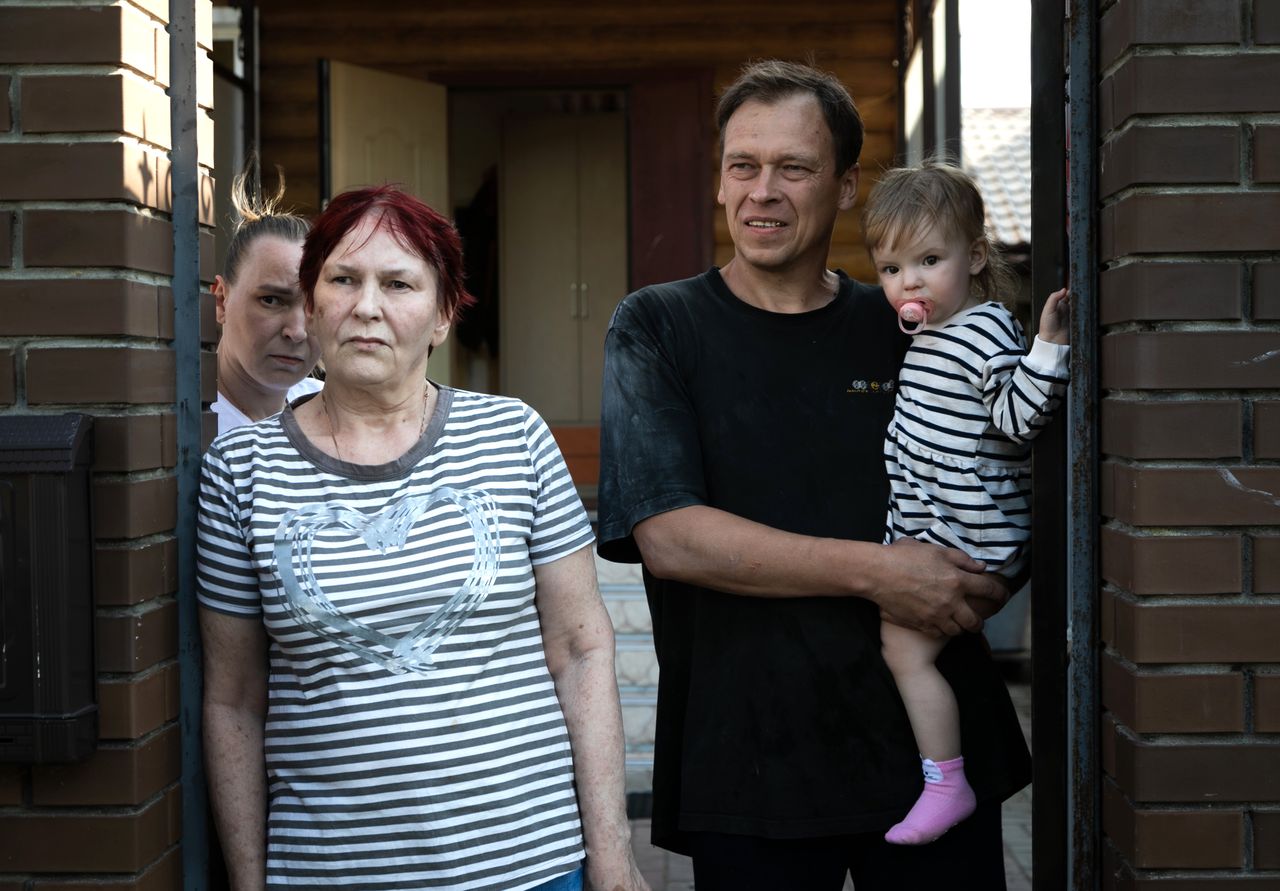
x=48, y=710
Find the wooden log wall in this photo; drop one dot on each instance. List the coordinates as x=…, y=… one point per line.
x=856, y=41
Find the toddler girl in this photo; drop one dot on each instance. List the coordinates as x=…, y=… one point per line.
x=970, y=399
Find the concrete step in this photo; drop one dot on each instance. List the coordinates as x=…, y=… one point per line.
x=639, y=772
x=622, y=587
x=636, y=664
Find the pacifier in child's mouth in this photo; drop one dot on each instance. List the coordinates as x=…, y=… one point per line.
x=913, y=313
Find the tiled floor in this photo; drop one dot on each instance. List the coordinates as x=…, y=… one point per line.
x=671, y=872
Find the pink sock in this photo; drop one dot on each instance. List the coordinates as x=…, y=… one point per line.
x=946, y=800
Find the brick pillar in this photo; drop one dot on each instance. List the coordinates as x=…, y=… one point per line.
x=1190, y=434
x=86, y=325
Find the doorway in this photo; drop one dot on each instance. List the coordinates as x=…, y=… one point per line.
x=536, y=180
x=539, y=179
x=663, y=137
x=1064, y=684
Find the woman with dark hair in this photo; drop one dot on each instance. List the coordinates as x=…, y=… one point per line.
x=265, y=354
x=409, y=673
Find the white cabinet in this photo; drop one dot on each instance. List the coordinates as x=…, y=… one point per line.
x=563, y=244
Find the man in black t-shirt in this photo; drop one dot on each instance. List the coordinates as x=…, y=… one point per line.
x=742, y=463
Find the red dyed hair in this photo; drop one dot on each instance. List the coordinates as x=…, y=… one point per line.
x=414, y=225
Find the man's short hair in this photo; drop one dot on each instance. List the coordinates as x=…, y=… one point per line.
x=772, y=80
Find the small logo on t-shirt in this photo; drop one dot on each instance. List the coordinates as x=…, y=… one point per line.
x=864, y=386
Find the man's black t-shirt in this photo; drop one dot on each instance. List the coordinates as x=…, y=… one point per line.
x=776, y=716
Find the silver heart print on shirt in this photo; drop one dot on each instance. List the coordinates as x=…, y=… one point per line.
x=385, y=531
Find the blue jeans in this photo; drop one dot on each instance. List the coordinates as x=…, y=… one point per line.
x=569, y=882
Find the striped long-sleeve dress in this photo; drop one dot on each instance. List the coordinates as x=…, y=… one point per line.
x=958, y=451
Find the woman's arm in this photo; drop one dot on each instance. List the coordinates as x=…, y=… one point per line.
x=235, y=708
x=577, y=637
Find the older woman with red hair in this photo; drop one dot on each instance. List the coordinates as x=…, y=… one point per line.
x=408, y=668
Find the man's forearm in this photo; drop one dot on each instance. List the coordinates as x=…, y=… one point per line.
x=716, y=549
x=916, y=585
x=238, y=791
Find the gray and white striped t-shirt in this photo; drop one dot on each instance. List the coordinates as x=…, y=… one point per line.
x=383, y=773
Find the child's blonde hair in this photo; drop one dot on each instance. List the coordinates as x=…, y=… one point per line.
x=909, y=200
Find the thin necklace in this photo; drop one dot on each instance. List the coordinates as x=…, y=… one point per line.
x=422, y=426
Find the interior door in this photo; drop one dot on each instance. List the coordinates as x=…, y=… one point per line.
x=602, y=257
x=384, y=128
x=538, y=216
x=563, y=213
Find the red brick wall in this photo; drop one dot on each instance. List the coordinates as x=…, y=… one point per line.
x=86, y=321
x=1190, y=433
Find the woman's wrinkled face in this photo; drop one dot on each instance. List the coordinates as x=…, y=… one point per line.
x=375, y=309
x=264, y=327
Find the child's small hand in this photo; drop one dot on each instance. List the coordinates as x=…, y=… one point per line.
x=1055, y=318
